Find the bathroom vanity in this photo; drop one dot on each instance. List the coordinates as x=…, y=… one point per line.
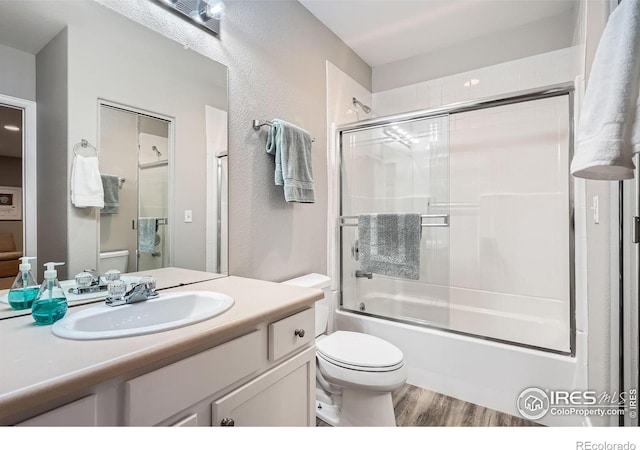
x=253, y=365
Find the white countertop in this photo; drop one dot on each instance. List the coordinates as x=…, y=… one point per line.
x=37, y=367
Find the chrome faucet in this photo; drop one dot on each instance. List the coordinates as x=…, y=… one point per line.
x=118, y=294
x=363, y=274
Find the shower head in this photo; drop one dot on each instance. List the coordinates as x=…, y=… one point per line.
x=155, y=149
x=364, y=107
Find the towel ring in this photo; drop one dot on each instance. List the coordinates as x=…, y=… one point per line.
x=84, y=144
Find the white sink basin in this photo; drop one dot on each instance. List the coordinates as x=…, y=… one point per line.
x=169, y=310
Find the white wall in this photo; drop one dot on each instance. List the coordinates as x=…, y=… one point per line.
x=601, y=244
x=276, y=53
x=538, y=37
x=18, y=74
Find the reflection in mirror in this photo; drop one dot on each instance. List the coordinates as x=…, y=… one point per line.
x=157, y=113
x=134, y=162
x=11, y=234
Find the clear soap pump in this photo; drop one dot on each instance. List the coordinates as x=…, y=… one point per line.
x=51, y=303
x=24, y=289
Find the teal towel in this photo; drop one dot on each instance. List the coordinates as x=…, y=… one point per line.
x=147, y=234
x=111, y=188
x=292, y=148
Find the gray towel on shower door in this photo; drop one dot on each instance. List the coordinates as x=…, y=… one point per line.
x=111, y=188
x=389, y=244
x=147, y=227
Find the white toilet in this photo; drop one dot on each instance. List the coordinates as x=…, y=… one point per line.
x=118, y=260
x=356, y=372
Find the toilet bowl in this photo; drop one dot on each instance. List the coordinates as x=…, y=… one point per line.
x=355, y=372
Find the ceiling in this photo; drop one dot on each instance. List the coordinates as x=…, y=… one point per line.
x=384, y=31
x=23, y=25
x=10, y=141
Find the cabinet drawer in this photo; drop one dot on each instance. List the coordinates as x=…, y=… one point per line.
x=153, y=397
x=81, y=413
x=291, y=333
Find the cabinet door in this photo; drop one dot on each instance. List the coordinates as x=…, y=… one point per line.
x=191, y=421
x=284, y=396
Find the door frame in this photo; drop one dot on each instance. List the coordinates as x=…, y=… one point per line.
x=29, y=172
x=170, y=172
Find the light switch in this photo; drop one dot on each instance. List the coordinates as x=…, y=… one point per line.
x=188, y=216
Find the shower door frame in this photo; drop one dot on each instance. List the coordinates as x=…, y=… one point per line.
x=555, y=90
x=171, y=123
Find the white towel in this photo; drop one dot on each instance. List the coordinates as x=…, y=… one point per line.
x=609, y=127
x=86, y=183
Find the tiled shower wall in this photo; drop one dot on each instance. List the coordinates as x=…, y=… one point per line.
x=509, y=256
x=526, y=73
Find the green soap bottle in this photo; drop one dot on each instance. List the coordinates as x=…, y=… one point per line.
x=24, y=289
x=51, y=303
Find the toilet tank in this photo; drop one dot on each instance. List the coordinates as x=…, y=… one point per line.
x=118, y=260
x=318, y=281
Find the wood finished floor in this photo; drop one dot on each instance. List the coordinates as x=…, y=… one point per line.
x=416, y=407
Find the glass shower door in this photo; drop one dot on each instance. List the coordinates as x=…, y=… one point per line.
x=397, y=168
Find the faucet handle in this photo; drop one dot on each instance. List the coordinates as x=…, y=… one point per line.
x=116, y=291
x=112, y=275
x=148, y=282
x=84, y=279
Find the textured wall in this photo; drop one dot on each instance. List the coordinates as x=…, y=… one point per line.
x=276, y=53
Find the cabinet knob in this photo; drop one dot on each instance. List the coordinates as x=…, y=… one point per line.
x=227, y=422
x=299, y=333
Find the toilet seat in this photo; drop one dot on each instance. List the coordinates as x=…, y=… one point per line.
x=359, y=351
x=360, y=361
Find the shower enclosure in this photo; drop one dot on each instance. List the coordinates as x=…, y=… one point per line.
x=491, y=181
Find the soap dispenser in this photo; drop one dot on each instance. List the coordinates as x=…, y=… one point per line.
x=51, y=303
x=24, y=289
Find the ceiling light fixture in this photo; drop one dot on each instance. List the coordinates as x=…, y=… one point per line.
x=204, y=13
x=215, y=9
x=11, y=128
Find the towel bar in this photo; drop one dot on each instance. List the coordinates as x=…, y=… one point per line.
x=257, y=124
x=445, y=217
x=83, y=145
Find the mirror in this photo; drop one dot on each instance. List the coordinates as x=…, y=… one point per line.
x=155, y=113
x=134, y=161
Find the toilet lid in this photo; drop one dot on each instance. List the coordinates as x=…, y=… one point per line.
x=359, y=349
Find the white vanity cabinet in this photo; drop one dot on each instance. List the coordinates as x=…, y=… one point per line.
x=253, y=365
x=239, y=383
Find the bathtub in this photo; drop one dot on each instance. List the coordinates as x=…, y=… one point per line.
x=480, y=371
